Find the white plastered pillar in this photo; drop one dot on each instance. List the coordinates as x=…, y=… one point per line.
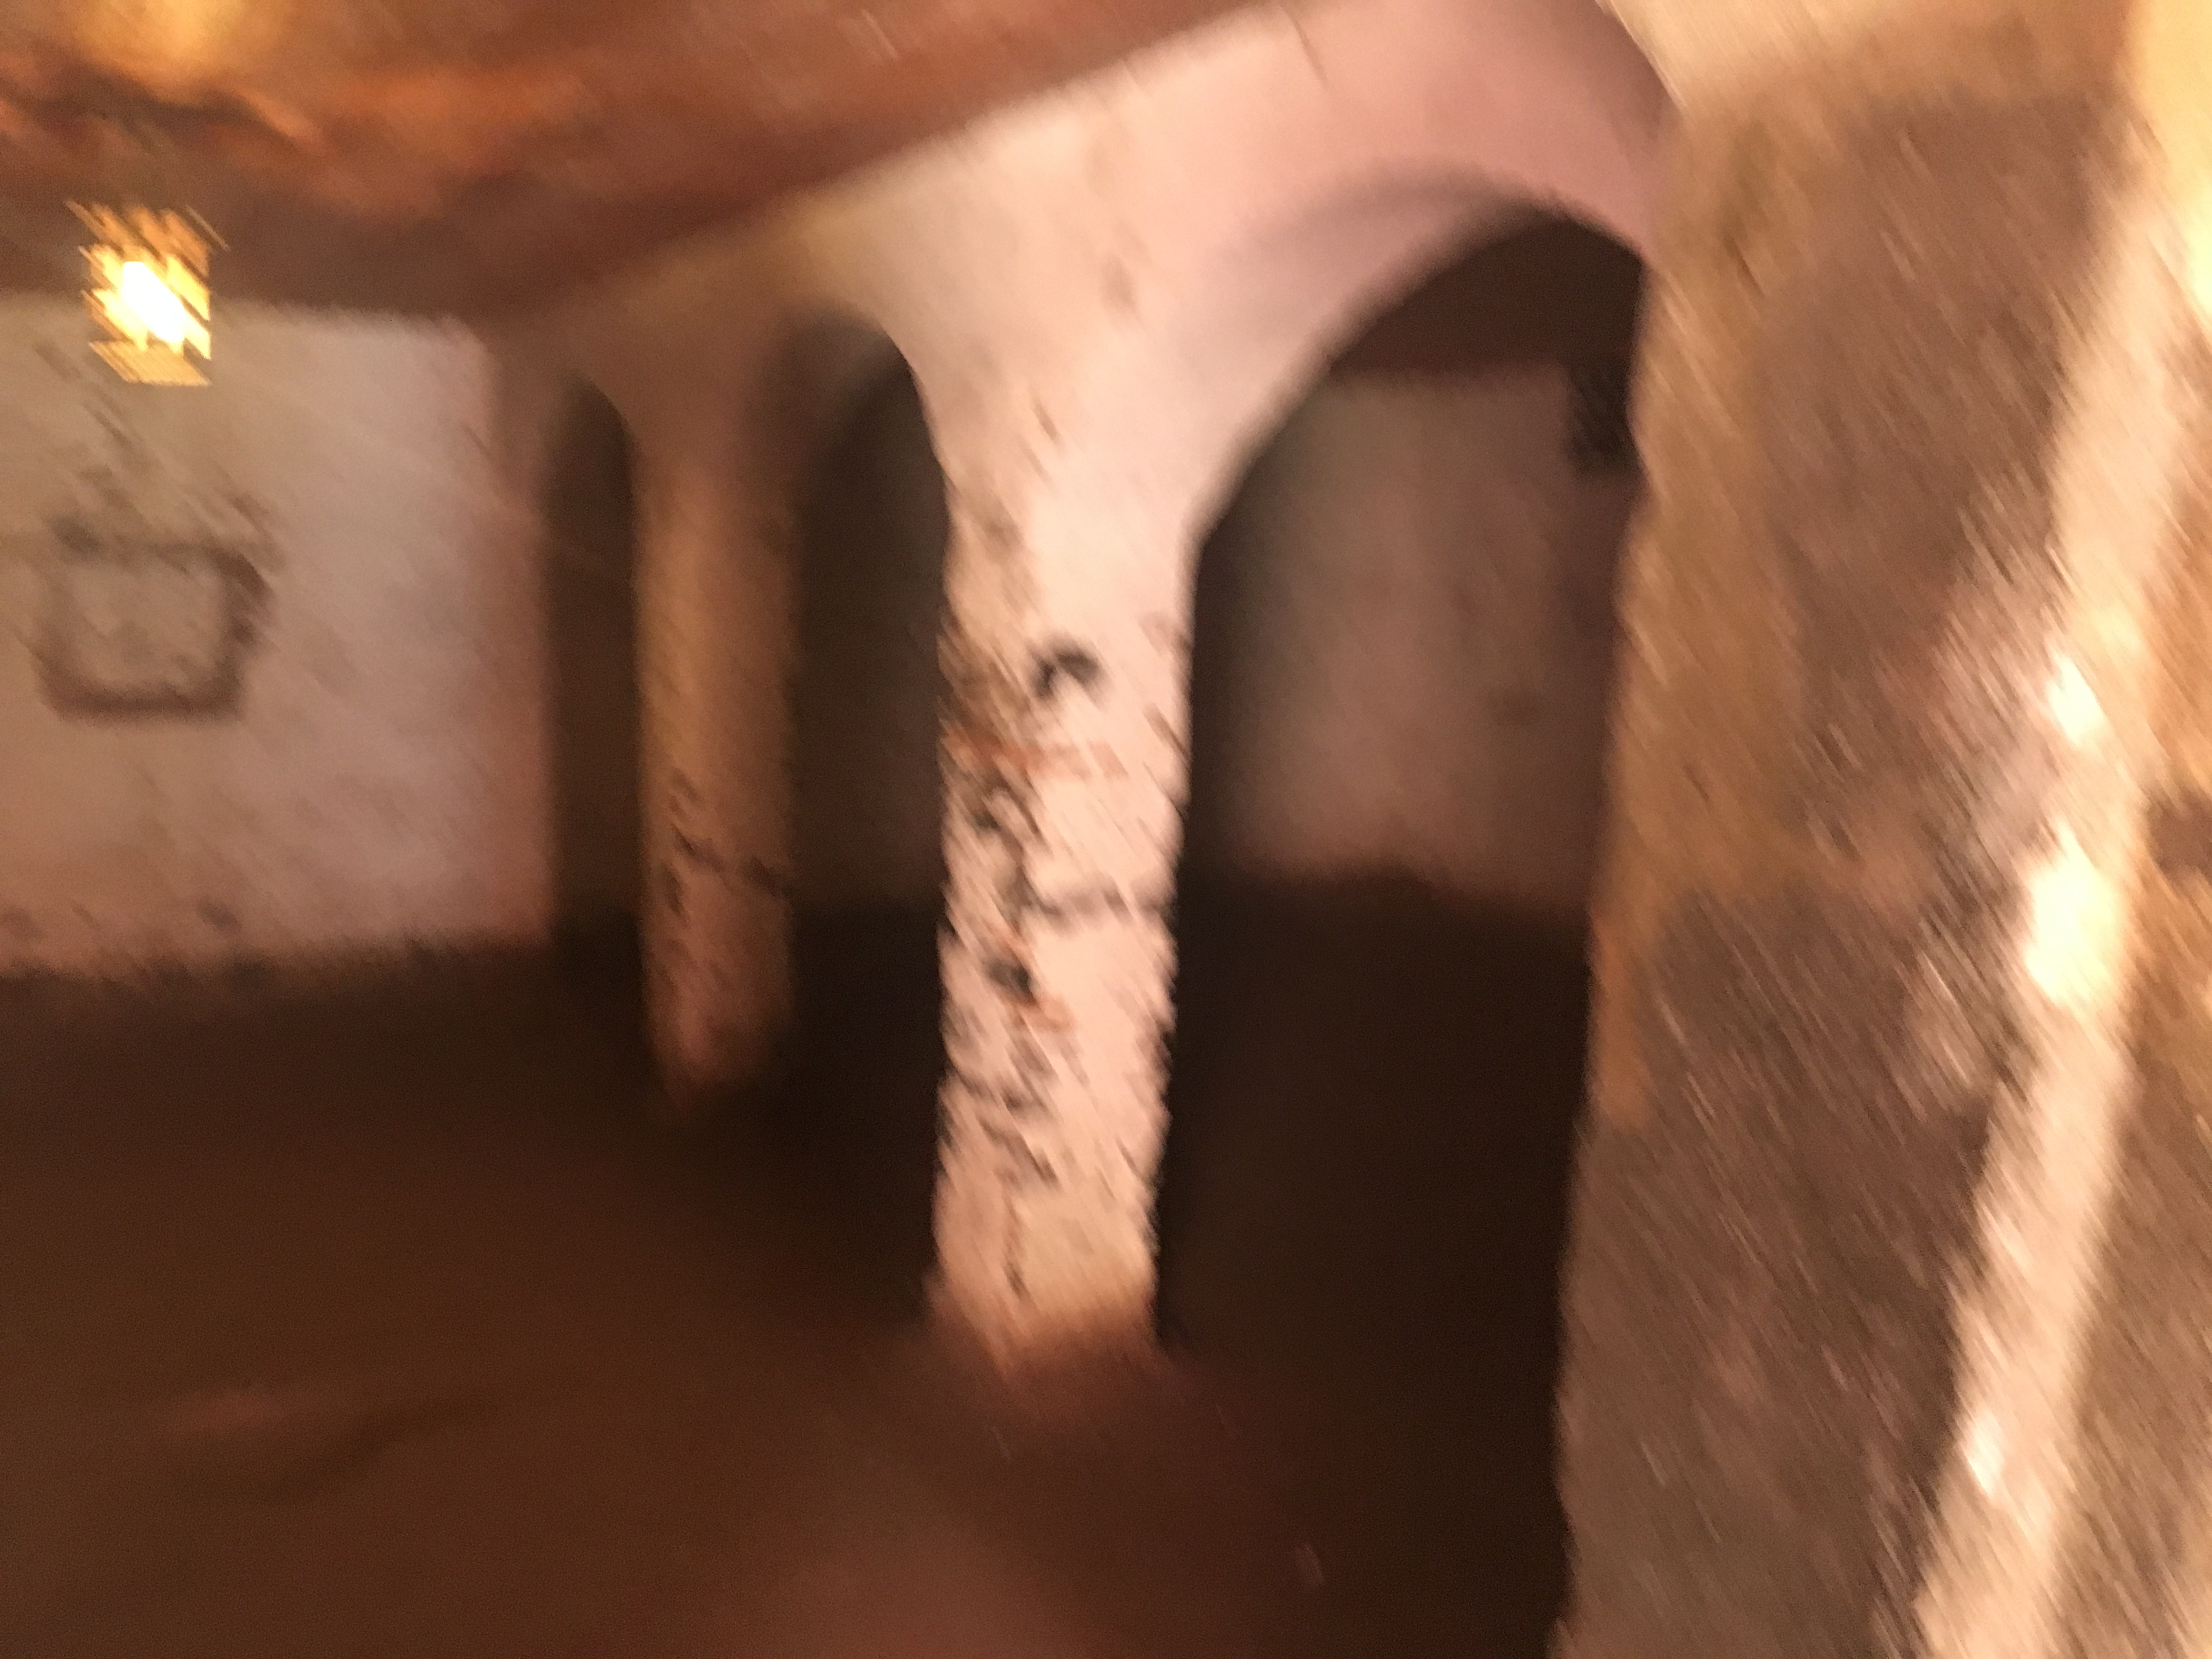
x=717, y=614
x=1064, y=760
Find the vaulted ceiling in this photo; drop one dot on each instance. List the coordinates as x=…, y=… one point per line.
x=466, y=155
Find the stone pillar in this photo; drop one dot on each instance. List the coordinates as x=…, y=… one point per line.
x=716, y=602
x=1893, y=1261
x=1064, y=764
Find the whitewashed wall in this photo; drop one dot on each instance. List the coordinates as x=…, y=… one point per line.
x=378, y=779
x=1407, y=664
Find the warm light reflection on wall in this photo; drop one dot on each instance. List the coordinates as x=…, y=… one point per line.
x=182, y=40
x=2173, y=42
x=149, y=291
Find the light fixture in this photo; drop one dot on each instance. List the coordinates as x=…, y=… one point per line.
x=149, y=291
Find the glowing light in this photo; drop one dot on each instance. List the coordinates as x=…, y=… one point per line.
x=2172, y=52
x=159, y=311
x=2077, y=934
x=1985, y=1453
x=2073, y=705
x=149, y=290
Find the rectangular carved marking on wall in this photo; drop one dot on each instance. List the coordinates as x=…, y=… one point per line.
x=137, y=630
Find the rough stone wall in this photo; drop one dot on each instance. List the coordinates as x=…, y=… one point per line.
x=268, y=652
x=2134, y=1578
x=1884, y=1250
x=1108, y=299
x=2137, y=1568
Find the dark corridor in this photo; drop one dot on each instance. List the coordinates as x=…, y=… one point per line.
x=1377, y=1076
x=595, y=740
x=858, y=1104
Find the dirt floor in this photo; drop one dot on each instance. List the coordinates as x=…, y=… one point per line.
x=382, y=1321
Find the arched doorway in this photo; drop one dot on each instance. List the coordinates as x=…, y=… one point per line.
x=867, y=817
x=596, y=742
x=1403, y=635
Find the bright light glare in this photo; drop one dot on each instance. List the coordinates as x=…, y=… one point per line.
x=2077, y=934
x=151, y=304
x=148, y=289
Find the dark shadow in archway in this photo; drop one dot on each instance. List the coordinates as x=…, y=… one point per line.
x=868, y=1051
x=591, y=606
x=1378, y=1062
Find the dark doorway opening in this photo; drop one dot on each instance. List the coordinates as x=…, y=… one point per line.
x=590, y=602
x=861, y=1100
x=1403, y=638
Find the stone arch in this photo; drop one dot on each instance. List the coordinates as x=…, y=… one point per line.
x=1170, y=418
x=794, y=819
x=1521, y=108
x=1402, y=650
x=867, y=532
x=831, y=386
x=1060, y=957
x=723, y=626
x=813, y=366
x=867, y=536
x=1567, y=353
